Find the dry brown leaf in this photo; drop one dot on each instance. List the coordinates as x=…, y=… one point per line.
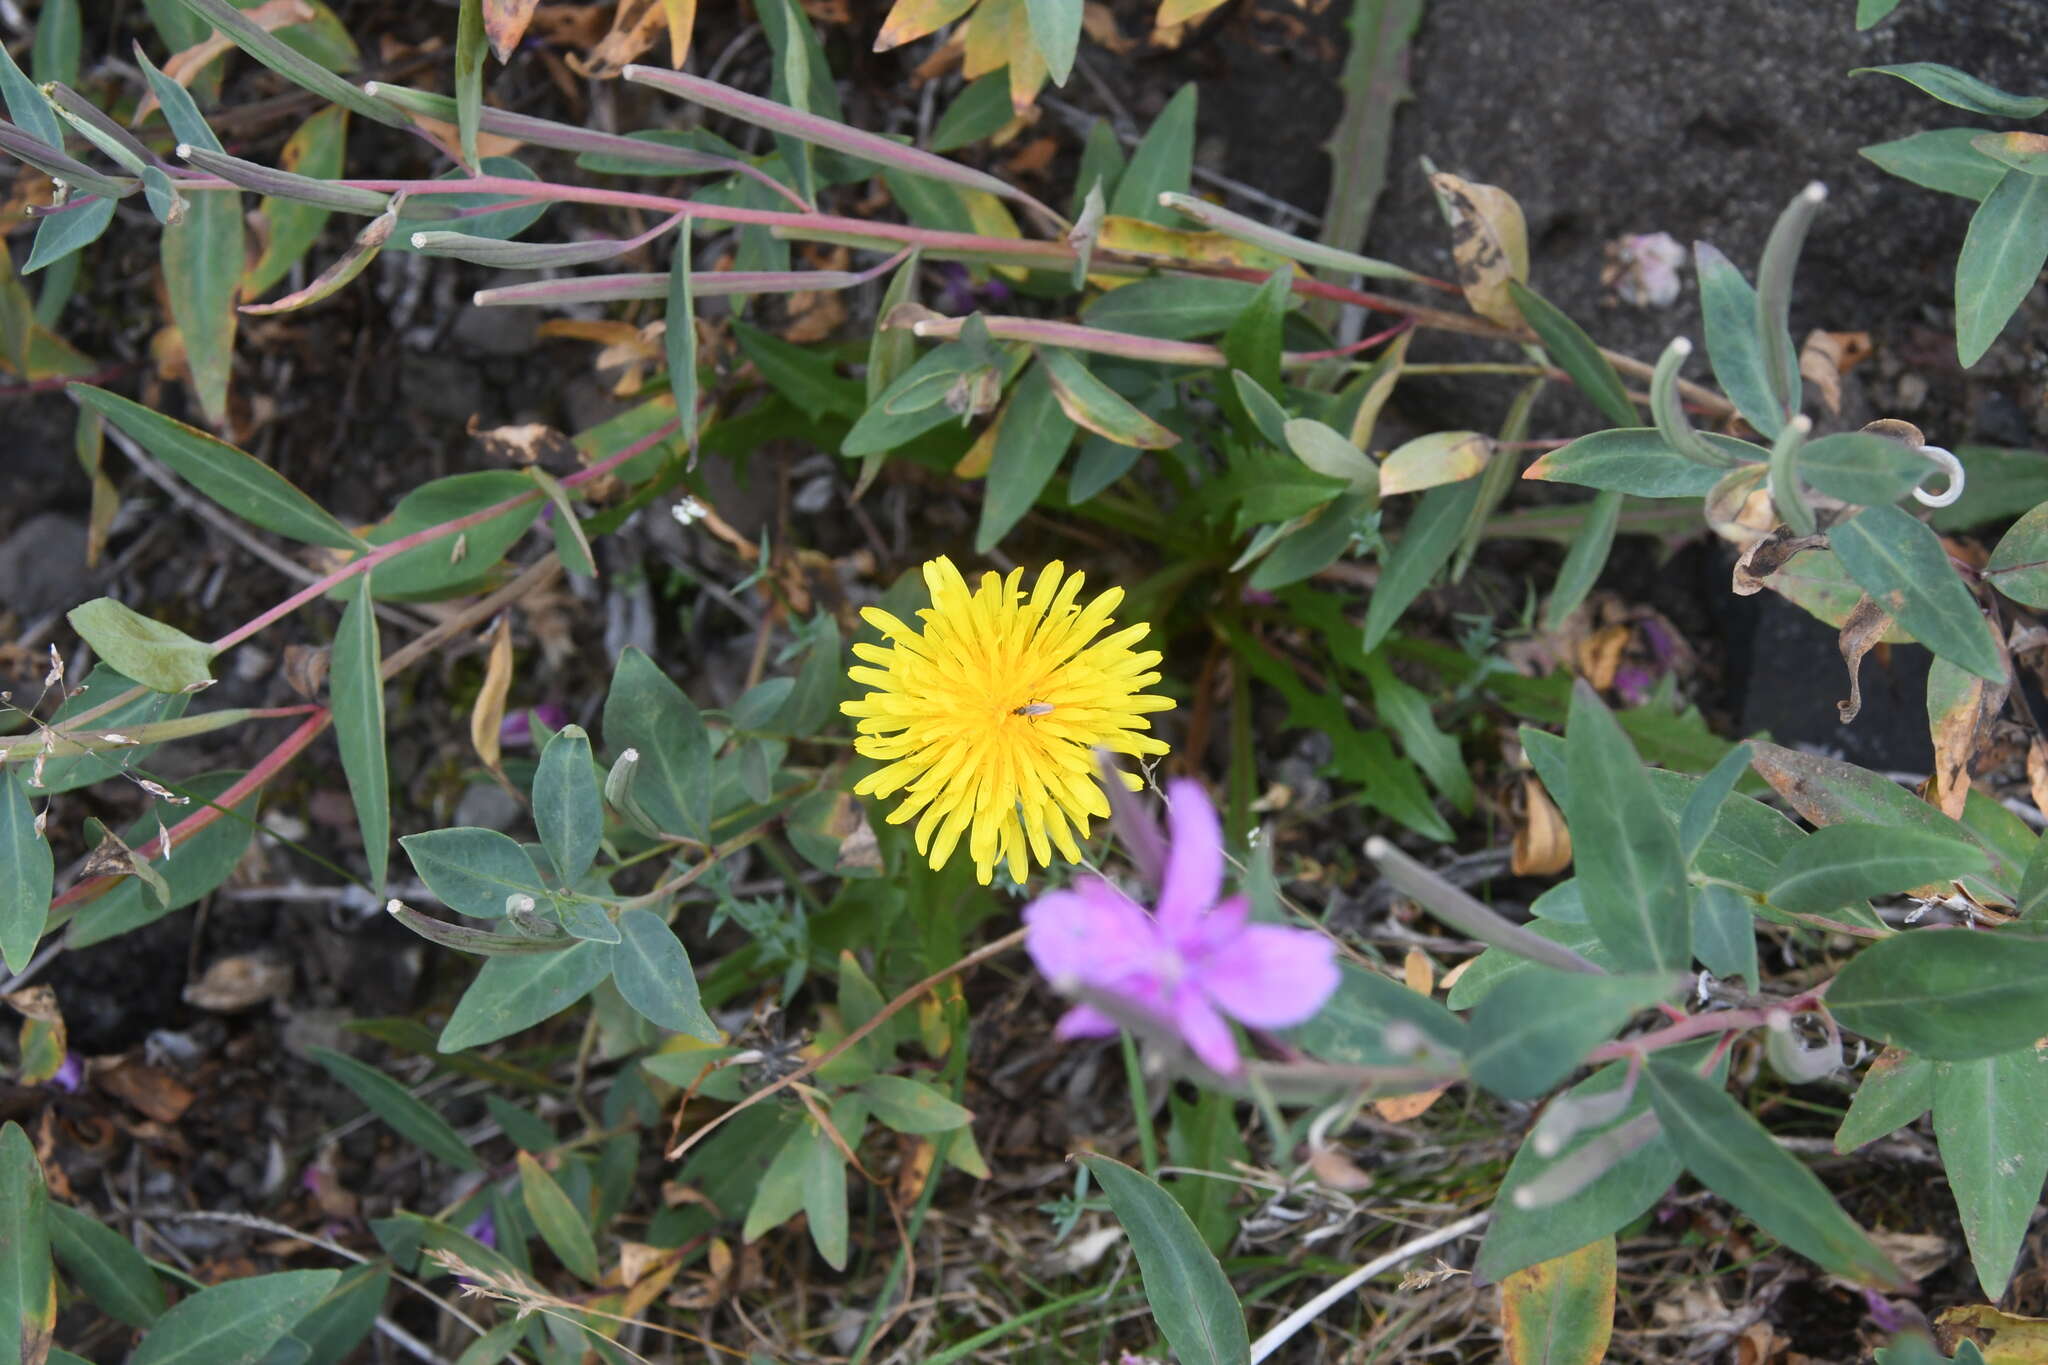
x=1767, y=556
x=1866, y=626
x=1401, y=1108
x=1336, y=1170
x=233, y=984
x=1098, y=21
x=505, y=24
x=527, y=443
x=305, y=668
x=572, y=26
x=1543, y=845
x=143, y=1088
x=1451, y=977
x=1489, y=244
x=1173, y=13
x=1826, y=357
x=449, y=139
x=184, y=67
x=814, y=315
x=1418, y=974
x=1738, y=508
x=487, y=716
x=30, y=186
x=635, y=26
x=1599, y=655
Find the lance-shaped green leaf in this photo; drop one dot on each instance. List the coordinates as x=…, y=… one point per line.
x=27, y=106
x=891, y=351
x=555, y=1216
x=473, y=871
x=1624, y=845
x=356, y=690
x=568, y=808
x=27, y=874
x=1096, y=406
x=1192, y=1302
x=340, y=271
x=1426, y=545
x=1640, y=461
x=1989, y=1115
x=1575, y=354
x=469, y=75
x=28, y=1287
x=2002, y=256
x=1947, y=994
x=514, y=993
x=1163, y=162
x=408, y=1116
x=1032, y=437
x=1941, y=159
x=1843, y=864
x=293, y=65
x=105, y=1265
x=1898, y=1088
x=202, y=263
x=1532, y=1029
x=648, y=713
x=1895, y=558
x=236, y=480
x=1728, y=310
x=70, y=229
x=1703, y=807
x=160, y=657
x=1733, y=1156
x=652, y=971
x=1584, y=560
x=1960, y=89
x=1862, y=467
x=2019, y=565
x=2020, y=151
x=1056, y=29
x=282, y=184
x=235, y=1323
x=912, y=1106
x=188, y=125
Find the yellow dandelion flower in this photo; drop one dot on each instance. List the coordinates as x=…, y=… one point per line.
x=986, y=718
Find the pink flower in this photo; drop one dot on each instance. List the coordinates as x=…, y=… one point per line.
x=1182, y=969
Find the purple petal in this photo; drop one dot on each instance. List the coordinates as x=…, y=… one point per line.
x=1092, y=934
x=1084, y=1021
x=1213, y=932
x=1269, y=977
x=1194, y=857
x=1204, y=1031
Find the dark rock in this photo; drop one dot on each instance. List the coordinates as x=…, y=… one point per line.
x=42, y=565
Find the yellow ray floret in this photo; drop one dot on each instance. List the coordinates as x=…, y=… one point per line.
x=986, y=716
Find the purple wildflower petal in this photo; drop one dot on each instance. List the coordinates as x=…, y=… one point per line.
x=1084, y=1021
x=1204, y=1031
x=1215, y=931
x=1091, y=934
x=1883, y=1316
x=1269, y=977
x=1194, y=858
x=70, y=1074
x=484, y=1228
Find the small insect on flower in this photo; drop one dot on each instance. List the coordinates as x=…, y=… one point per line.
x=1034, y=708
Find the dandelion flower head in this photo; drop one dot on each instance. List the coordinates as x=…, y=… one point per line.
x=986, y=715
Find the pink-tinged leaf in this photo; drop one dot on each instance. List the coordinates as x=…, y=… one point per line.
x=346, y=267
x=1100, y=408
x=822, y=132
x=202, y=262
x=1069, y=336
x=505, y=24
x=654, y=285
